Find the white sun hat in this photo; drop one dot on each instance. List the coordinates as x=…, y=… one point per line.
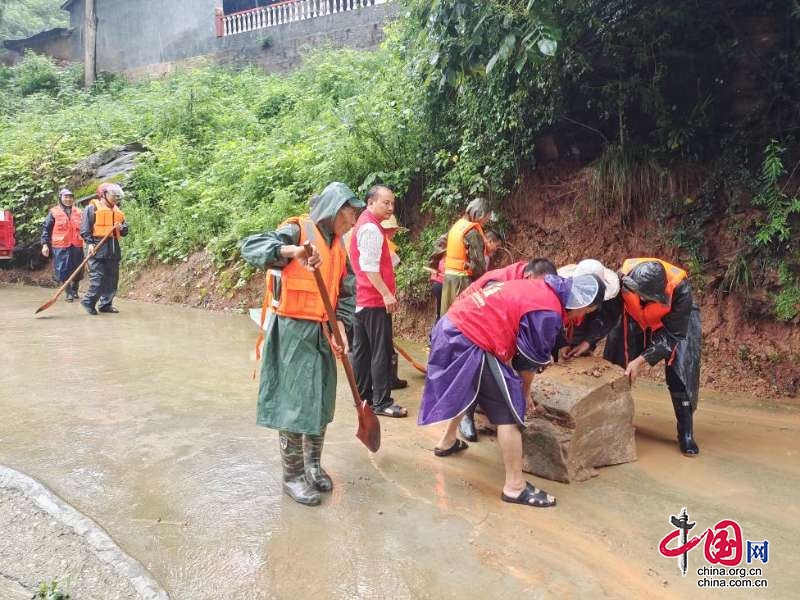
x=590, y=266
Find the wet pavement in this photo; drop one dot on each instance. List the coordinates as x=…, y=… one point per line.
x=144, y=421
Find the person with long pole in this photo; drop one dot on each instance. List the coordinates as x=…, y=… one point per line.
x=297, y=391
x=101, y=217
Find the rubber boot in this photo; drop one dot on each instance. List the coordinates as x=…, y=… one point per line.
x=295, y=484
x=397, y=383
x=312, y=453
x=467, y=425
x=685, y=418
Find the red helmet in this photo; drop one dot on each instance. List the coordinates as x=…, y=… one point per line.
x=109, y=187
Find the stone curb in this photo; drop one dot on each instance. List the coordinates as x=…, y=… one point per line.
x=98, y=540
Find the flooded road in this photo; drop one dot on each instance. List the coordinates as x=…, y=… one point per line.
x=145, y=421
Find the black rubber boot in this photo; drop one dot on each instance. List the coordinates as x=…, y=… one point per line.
x=685, y=418
x=467, y=425
x=295, y=484
x=89, y=308
x=397, y=383
x=312, y=454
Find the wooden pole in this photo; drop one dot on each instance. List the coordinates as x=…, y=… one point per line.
x=369, y=429
x=89, y=44
x=89, y=255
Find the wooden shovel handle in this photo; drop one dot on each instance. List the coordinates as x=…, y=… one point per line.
x=52, y=300
x=337, y=336
x=369, y=430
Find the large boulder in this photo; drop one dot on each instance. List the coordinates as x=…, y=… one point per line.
x=587, y=421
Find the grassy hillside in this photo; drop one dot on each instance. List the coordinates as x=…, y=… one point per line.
x=680, y=112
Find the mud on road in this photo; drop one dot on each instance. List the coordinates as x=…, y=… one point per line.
x=144, y=421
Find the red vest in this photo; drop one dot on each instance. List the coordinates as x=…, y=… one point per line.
x=66, y=230
x=509, y=273
x=490, y=317
x=366, y=294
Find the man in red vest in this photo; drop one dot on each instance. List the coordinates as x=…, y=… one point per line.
x=486, y=349
x=371, y=260
x=101, y=216
x=535, y=269
x=660, y=321
x=61, y=232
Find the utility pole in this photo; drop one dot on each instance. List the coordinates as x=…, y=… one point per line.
x=89, y=43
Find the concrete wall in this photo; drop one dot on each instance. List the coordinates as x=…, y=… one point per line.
x=142, y=37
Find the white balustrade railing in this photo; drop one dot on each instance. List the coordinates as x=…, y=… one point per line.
x=285, y=12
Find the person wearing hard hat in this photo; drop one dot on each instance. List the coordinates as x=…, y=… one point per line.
x=102, y=216
x=660, y=321
x=297, y=392
x=61, y=238
x=486, y=349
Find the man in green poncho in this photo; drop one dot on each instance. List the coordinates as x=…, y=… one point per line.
x=297, y=393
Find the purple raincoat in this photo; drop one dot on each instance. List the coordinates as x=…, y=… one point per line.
x=456, y=365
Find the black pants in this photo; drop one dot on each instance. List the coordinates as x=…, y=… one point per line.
x=103, y=281
x=372, y=355
x=677, y=390
x=436, y=288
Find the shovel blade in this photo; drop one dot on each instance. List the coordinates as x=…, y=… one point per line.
x=369, y=428
x=46, y=305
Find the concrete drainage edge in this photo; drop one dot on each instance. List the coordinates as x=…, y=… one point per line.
x=99, y=541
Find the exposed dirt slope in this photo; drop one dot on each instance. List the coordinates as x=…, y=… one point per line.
x=745, y=349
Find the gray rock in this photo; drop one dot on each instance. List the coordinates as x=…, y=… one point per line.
x=587, y=421
x=108, y=164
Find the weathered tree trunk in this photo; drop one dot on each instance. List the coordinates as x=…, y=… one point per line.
x=89, y=44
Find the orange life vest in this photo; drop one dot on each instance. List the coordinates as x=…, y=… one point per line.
x=105, y=218
x=648, y=317
x=298, y=296
x=297, y=293
x=66, y=230
x=456, y=258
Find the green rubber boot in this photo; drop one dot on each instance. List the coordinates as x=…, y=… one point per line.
x=312, y=453
x=295, y=484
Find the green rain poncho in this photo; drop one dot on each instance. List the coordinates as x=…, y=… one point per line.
x=297, y=392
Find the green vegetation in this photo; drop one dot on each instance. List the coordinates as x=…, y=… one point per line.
x=23, y=18
x=51, y=591
x=453, y=106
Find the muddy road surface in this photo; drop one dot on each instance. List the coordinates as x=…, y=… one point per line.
x=144, y=421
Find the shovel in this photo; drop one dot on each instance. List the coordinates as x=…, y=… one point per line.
x=369, y=429
x=60, y=291
x=409, y=358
